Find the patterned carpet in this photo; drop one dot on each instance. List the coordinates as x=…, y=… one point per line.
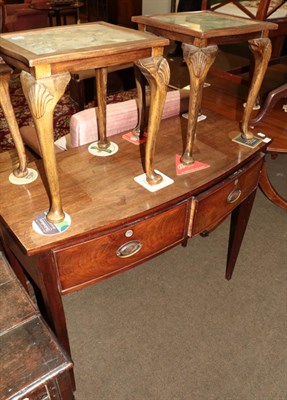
x=63, y=111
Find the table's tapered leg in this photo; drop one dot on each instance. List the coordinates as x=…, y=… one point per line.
x=261, y=49
x=198, y=61
x=101, y=82
x=42, y=96
x=5, y=73
x=140, y=84
x=156, y=71
x=238, y=224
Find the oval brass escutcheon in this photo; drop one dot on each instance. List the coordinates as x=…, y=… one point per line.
x=129, y=249
x=234, y=195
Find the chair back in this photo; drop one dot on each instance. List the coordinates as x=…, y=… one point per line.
x=264, y=8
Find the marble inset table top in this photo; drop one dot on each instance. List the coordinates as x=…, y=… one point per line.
x=70, y=44
x=76, y=37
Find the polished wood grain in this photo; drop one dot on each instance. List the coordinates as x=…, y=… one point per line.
x=9, y=159
x=204, y=30
x=46, y=73
x=212, y=206
x=132, y=224
x=271, y=99
x=83, y=191
x=226, y=98
x=105, y=249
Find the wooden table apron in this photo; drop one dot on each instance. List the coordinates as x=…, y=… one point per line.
x=46, y=60
x=200, y=33
x=116, y=223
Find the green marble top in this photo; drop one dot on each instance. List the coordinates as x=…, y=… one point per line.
x=74, y=37
x=202, y=22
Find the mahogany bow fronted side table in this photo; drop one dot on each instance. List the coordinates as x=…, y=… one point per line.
x=118, y=224
x=48, y=56
x=201, y=32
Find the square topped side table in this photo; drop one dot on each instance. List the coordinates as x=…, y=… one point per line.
x=48, y=56
x=201, y=32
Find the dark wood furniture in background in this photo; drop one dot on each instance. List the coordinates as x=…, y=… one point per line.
x=33, y=366
x=18, y=16
x=82, y=85
x=173, y=6
x=264, y=12
x=118, y=12
x=116, y=223
x=59, y=11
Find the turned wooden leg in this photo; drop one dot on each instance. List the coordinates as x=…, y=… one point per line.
x=50, y=301
x=269, y=191
x=42, y=96
x=140, y=84
x=156, y=71
x=5, y=102
x=101, y=82
x=198, y=61
x=261, y=49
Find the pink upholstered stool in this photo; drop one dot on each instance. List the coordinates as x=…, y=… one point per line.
x=121, y=117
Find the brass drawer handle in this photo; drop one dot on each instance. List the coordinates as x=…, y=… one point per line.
x=129, y=249
x=234, y=195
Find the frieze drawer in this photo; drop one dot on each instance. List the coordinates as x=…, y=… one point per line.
x=210, y=207
x=85, y=263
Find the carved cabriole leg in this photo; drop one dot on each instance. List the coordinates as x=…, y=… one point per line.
x=156, y=71
x=5, y=102
x=101, y=82
x=140, y=84
x=261, y=49
x=42, y=96
x=198, y=61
